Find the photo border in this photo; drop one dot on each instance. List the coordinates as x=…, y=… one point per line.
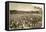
x=7, y=14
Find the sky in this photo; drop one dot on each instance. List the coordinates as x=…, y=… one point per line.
x=24, y=7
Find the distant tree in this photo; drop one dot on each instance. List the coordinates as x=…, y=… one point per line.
x=13, y=11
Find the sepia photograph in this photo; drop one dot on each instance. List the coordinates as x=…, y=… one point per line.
x=26, y=16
